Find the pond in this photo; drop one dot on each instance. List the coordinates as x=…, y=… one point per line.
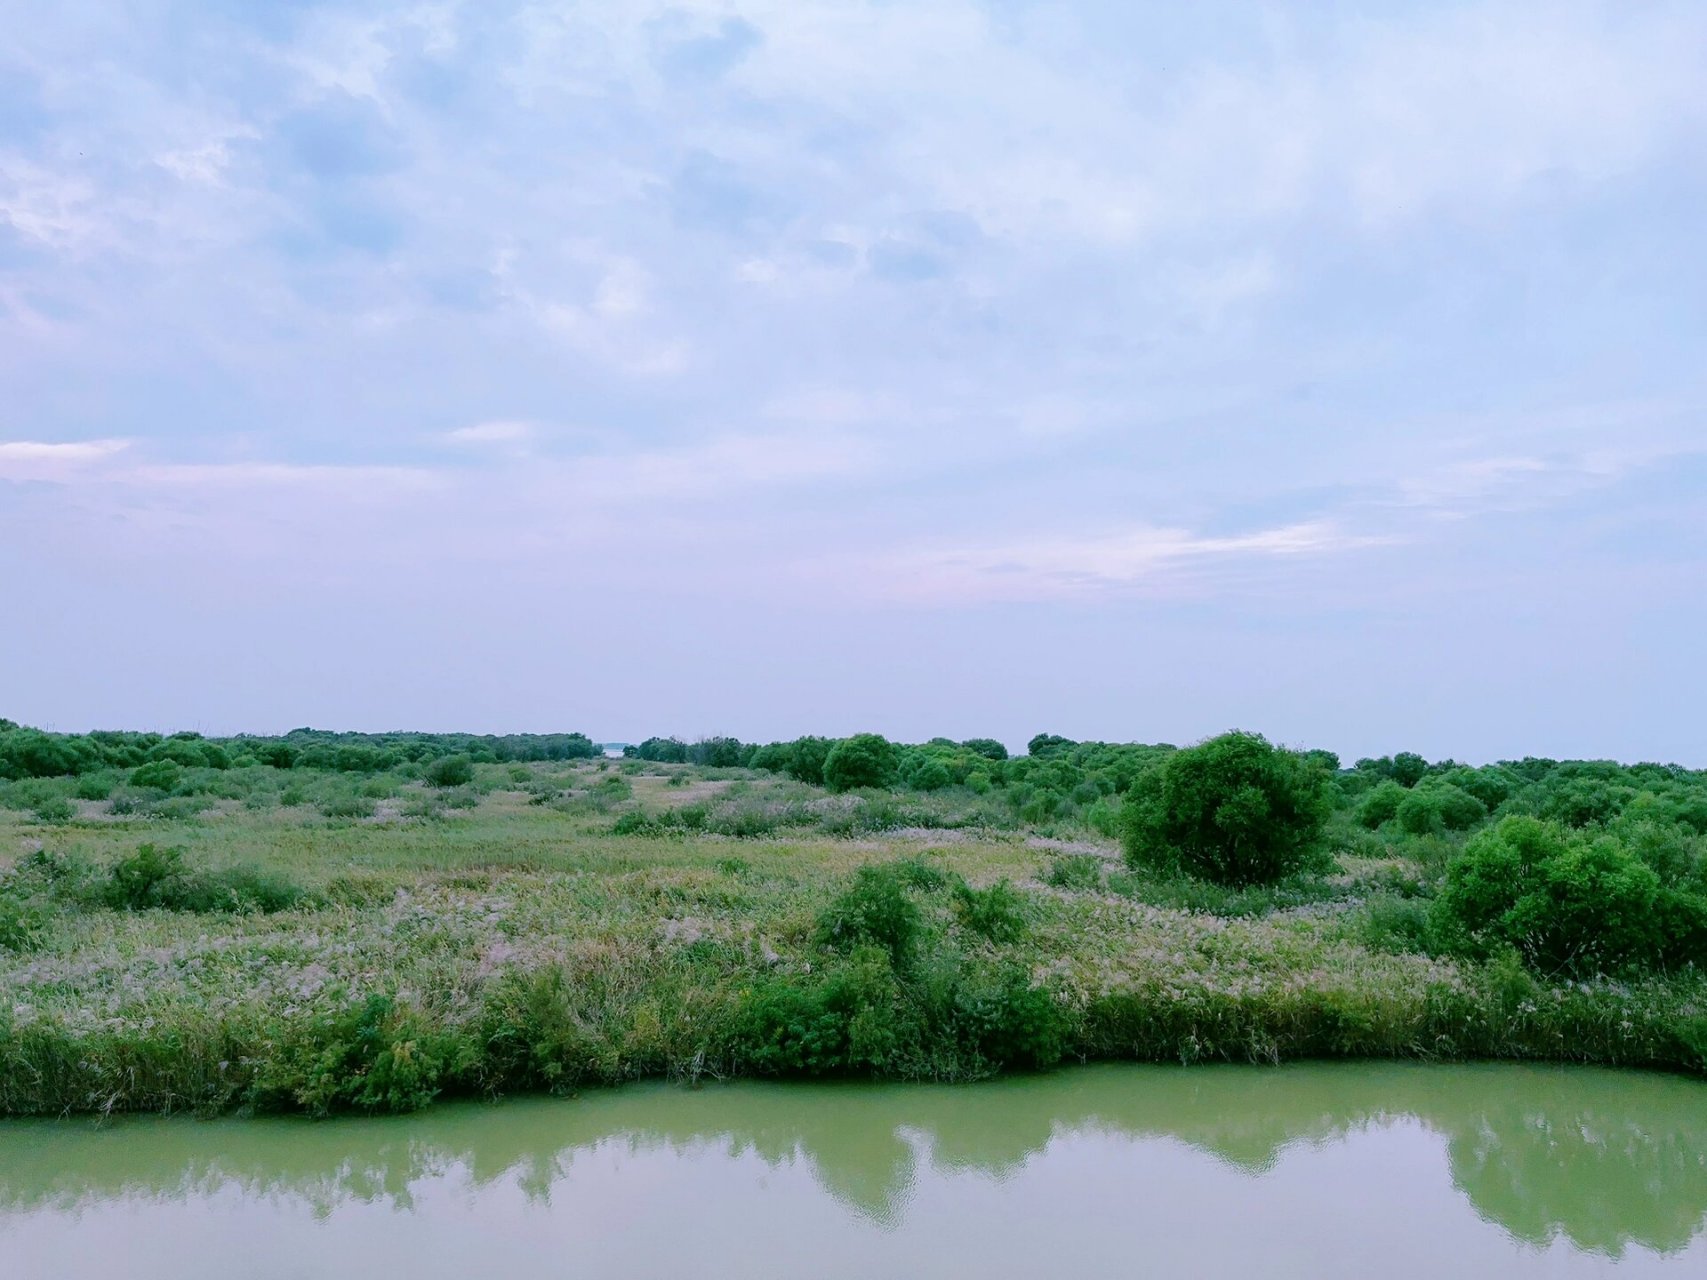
x=1348, y=1169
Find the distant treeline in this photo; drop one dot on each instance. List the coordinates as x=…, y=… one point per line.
x=1059, y=779
x=34, y=753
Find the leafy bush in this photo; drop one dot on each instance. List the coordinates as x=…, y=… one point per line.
x=996, y=914
x=873, y=910
x=864, y=760
x=1382, y=804
x=153, y=877
x=1566, y=901
x=449, y=771
x=161, y=775
x=346, y=804
x=54, y=809
x=23, y=921
x=95, y=786
x=1234, y=810
x=1011, y=1023
x=145, y=878
x=853, y=1017
x=374, y=1056
x=1433, y=807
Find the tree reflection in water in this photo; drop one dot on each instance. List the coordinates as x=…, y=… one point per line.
x=1604, y=1160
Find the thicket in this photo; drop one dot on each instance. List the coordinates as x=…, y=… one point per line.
x=1234, y=810
x=33, y=753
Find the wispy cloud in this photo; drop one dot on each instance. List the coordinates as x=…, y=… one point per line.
x=54, y=461
x=1054, y=567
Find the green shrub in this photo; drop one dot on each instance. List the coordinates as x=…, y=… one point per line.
x=1565, y=901
x=346, y=804
x=1382, y=804
x=1010, y=1023
x=874, y=909
x=1103, y=817
x=864, y=760
x=95, y=786
x=54, y=810
x=449, y=771
x=1419, y=813
x=145, y=878
x=375, y=1056
x=156, y=878
x=23, y=921
x=160, y=775
x=1434, y=806
x=853, y=1017
x=239, y=889
x=996, y=914
x=1234, y=810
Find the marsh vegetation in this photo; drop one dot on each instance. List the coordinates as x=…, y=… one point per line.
x=326, y=922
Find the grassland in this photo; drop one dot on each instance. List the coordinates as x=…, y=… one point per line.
x=500, y=937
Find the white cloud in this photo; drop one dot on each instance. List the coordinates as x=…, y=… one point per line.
x=511, y=433
x=1051, y=566
x=44, y=460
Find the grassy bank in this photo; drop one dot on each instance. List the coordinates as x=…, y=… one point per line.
x=504, y=943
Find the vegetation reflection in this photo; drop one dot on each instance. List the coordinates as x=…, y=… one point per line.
x=1606, y=1161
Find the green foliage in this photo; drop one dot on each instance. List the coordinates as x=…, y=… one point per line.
x=374, y=1056
x=1234, y=810
x=666, y=750
x=160, y=775
x=924, y=772
x=145, y=878
x=1382, y=804
x=989, y=748
x=1397, y=925
x=1043, y=744
x=859, y=1016
x=1012, y=1023
x=921, y=873
x=853, y=1018
x=996, y=914
x=449, y=771
x=1180, y=892
x=1080, y=872
x=873, y=909
x=864, y=760
x=1408, y=768
x=54, y=810
x=24, y=916
x=156, y=878
x=1565, y=901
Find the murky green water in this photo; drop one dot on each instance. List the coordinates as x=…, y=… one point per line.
x=1333, y=1170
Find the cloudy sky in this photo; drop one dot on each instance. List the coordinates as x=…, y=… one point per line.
x=1121, y=370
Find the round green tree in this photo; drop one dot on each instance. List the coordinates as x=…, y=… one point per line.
x=864, y=760
x=450, y=771
x=1235, y=809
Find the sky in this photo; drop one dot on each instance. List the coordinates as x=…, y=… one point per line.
x=1128, y=371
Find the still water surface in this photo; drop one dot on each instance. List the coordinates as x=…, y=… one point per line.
x=1310, y=1170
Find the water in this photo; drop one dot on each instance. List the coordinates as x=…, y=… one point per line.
x=1309, y=1171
